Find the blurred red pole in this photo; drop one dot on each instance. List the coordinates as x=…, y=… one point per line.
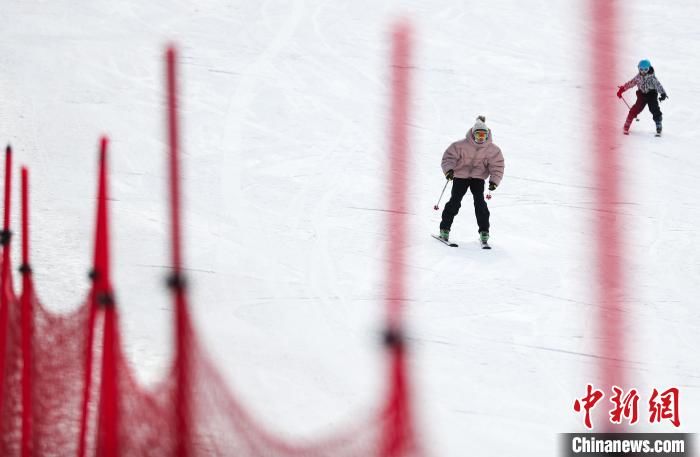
x=609, y=255
x=398, y=439
x=8, y=187
x=174, y=142
x=5, y=278
x=108, y=421
x=108, y=435
x=182, y=325
x=27, y=319
x=95, y=291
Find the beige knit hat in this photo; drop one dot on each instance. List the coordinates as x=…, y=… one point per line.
x=480, y=124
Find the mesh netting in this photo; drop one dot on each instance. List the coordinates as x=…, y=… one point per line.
x=57, y=380
x=10, y=383
x=54, y=380
x=220, y=426
x=66, y=387
x=146, y=418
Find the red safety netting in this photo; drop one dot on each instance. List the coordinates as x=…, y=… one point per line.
x=66, y=387
x=220, y=426
x=11, y=399
x=57, y=380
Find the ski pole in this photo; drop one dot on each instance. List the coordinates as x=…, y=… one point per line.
x=437, y=207
x=628, y=106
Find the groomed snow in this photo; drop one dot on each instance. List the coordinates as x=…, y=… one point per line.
x=285, y=116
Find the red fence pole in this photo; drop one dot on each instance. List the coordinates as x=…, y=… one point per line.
x=398, y=439
x=27, y=320
x=108, y=422
x=176, y=281
x=5, y=277
x=607, y=176
x=97, y=287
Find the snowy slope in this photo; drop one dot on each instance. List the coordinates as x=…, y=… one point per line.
x=285, y=114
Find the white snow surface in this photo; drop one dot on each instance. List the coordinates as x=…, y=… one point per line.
x=285, y=154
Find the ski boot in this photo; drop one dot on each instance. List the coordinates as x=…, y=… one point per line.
x=658, y=129
x=445, y=235
x=484, y=239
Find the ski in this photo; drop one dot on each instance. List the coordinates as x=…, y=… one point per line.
x=485, y=245
x=453, y=245
x=656, y=134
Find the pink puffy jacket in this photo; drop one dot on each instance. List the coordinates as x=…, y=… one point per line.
x=471, y=160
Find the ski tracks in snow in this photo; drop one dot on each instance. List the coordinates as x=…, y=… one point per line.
x=238, y=110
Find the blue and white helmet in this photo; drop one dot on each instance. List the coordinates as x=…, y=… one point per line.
x=644, y=65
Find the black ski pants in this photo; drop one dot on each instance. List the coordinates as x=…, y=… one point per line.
x=459, y=189
x=652, y=99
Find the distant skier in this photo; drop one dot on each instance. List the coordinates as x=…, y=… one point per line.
x=468, y=163
x=648, y=89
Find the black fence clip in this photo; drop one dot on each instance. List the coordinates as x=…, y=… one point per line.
x=5, y=236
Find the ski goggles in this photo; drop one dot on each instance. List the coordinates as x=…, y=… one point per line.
x=644, y=71
x=481, y=135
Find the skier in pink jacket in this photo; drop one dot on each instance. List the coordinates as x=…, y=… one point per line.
x=468, y=163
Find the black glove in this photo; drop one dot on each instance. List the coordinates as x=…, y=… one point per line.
x=450, y=174
x=492, y=185
x=663, y=97
x=619, y=91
